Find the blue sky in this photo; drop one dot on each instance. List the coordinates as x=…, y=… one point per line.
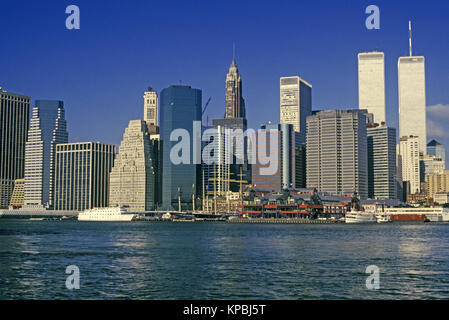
x=101, y=70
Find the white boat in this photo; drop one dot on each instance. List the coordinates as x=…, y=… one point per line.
x=106, y=214
x=166, y=216
x=360, y=217
x=383, y=218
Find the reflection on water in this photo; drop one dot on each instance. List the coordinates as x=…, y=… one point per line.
x=159, y=260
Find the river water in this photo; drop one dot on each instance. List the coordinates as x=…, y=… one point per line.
x=206, y=260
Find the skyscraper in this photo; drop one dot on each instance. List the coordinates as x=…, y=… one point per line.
x=151, y=101
x=235, y=120
x=412, y=97
x=132, y=179
x=156, y=151
x=409, y=155
x=180, y=111
x=48, y=128
x=437, y=183
x=18, y=194
x=336, y=152
x=217, y=174
x=381, y=162
x=286, y=160
x=295, y=102
x=233, y=129
x=372, y=84
x=82, y=175
x=235, y=104
x=430, y=165
x=14, y=121
x=436, y=149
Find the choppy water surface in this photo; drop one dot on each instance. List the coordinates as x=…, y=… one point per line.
x=165, y=260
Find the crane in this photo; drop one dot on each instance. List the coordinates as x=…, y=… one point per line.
x=205, y=106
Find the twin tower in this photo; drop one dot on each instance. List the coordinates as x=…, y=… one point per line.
x=411, y=91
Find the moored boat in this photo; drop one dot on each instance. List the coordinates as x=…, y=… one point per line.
x=383, y=218
x=360, y=217
x=106, y=214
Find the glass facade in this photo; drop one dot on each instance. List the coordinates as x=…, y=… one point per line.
x=180, y=107
x=436, y=149
x=47, y=129
x=14, y=115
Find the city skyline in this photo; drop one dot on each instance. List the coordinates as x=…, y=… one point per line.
x=224, y=152
x=205, y=63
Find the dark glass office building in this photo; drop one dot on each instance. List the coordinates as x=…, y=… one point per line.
x=180, y=106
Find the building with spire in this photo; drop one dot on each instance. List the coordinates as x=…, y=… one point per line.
x=412, y=96
x=235, y=104
x=234, y=120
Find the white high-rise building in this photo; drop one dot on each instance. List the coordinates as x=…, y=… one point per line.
x=217, y=174
x=150, y=107
x=48, y=128
x=372, y=84
x=295, y=102
x=132, y=179
x=409, y=155
x=412, y=97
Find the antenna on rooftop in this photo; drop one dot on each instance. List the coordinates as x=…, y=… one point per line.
x=410, y=36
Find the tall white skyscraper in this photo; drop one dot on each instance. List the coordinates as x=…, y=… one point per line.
x=295, y=102
x=372, y=84
x=412, y=97
x=409, y=155
x=150, y=107
x=48, y=128
x=132, y=178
